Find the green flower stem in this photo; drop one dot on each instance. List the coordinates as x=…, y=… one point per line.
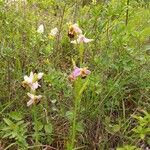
x=73, y=135
x=81, y=51
x=34, y=112
x=79, y=87
x=36, y=125
x=70, y=145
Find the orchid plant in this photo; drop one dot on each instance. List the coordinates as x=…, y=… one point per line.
x=76, y=76
x=31, y=81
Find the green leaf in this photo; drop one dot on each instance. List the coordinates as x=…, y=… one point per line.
x=7, y=135
x=5, y=128
x=145, y=33
x=8, y=122
x=39, y=126
x=142, y=136
x=79, y=127
x=48, y=49
x=48, y=128
x=116, y=128
x=69, y=115
x=16, y=115
x=20, y=122
x=83, y=88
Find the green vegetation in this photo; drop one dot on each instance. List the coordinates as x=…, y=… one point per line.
x=49, y=99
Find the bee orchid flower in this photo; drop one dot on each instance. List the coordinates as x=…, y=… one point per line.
x=32, y=80
x=34, y=99
x=74, y=30
x=82, y=72
x=81, y=39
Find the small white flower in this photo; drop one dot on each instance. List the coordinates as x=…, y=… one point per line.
x=81, y=39
x=40, y=29
x=54, y=32
x=33, y=99
x=40, y=75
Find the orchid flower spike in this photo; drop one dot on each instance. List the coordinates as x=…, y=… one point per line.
x=40, y=29
x=82, y=72
x=82, y=39
x=34, y=99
